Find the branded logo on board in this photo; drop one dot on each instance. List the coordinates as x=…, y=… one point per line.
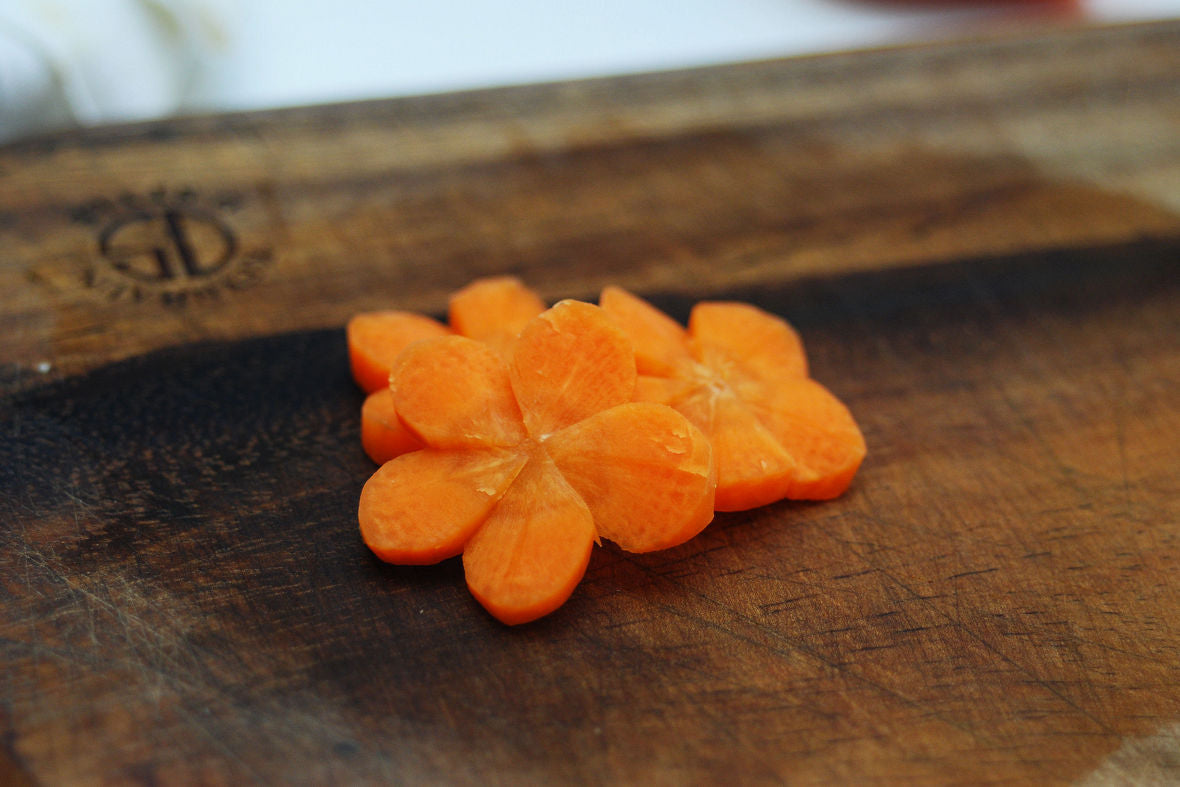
x=176, y=246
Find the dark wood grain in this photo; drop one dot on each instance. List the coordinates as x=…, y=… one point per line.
x=677, y=182
x=980, y=245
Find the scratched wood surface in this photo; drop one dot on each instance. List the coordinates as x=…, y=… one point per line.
x=980, y=244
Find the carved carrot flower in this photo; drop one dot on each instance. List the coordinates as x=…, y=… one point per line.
x=740, y=374
x=529, y=458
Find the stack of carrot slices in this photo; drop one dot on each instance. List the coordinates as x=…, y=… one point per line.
x=518, y=436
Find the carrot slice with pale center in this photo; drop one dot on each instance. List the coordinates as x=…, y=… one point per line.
x=494, y=310
x=530, y=554
x=660, y=342
x=383, y=436
x=569, y=363
x=454, y=392
x=645, y=472
x=422, y=507
x=819, y=432
x=502, y=435
x=376, y=338
x=758, y=470
x=747, y=388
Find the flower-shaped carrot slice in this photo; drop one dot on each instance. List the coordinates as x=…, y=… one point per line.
x=529, y=460
x=740, y=374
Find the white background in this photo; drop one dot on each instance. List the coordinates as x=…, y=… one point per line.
x=287, y=52
x=83, y=62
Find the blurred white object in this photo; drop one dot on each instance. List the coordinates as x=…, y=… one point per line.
x=83, y=62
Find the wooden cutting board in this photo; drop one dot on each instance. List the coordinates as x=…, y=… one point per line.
x=980, y=244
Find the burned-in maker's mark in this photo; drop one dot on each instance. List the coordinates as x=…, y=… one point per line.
x=175, y=246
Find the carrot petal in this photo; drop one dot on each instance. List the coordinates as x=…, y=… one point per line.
x=569, y=363
x=661, y=343
x=454, y=392
x=530, y=554
x=382, y=434
x=645, y=472
x=753, y=468
x=494, y=310
x=665, y=390
x=744, y=343
x=376, y=338
x=818, y=430
x=422, y=507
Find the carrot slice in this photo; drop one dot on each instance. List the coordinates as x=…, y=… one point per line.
x=819, y=432
x=660, y=342
x=533, y=549
x=667, y=390
x=758, y=469
x=569, y=363
x=494, y=310
x=454, y=392
x=376, y=338
x=382, y=434
x=741, y=342
x=528, y=459
x=747, y=388
x=422, y=507
x=645, y=472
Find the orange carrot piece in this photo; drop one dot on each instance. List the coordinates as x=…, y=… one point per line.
x=675, y=392
x=533, y=549
x=742, y=341
x=376, y=338
x=422, y=507
x=775, y=433
x=569, y=363
x=762, y=358
x=382, y=434
x=639, y=473
x=660, y=342
x=818, y=430
x=454, y=392
x=759, y=470
x=493, y=310
x=645, y=472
